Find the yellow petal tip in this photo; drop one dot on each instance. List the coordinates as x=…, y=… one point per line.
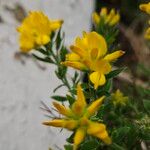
x=122, y=52
x=46, y=123
x=61, y=21
x=108, y=141
x=72, y=47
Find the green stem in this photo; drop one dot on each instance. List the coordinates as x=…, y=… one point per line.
x=63, y=79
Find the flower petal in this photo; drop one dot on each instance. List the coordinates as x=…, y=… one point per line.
x=26, y=42
x=79, y=137
x=99, y=130
x=81, y=52
x=61, y=109
x=82, y=43
x=68, y=124
x=145, y=8
x=56, y=24
x=94, y=106
x=113, y=56
x=97, y=79
x=72, y=57
x=147, y=34
x=115, y=20
x=75, y=64
x=80, y=104
x=110, y=16
x=71, y=124
x=96, y=41
x=55, y=123
x=42, y=39
x=80, y=96
x=96, y=18
x=104, y=137
x=94, y=54
x=103, y=12
x=95, y=128
x=102, y=66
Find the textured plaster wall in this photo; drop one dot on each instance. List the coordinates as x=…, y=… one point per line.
x=22, y=87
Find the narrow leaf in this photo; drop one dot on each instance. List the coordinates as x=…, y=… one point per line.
x=59, y=98
x=58, y=87
x=114, y=73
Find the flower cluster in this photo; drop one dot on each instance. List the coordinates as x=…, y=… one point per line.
x=90, y=53
x=110, y=18
x=78, y=118
x=36, y=30
x=118, y=98
x=146, y=8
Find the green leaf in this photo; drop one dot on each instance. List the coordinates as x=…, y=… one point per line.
x=44, y=52
x=58, y=87
x=106, y=87
x=73, y=91
x=46, y=59
x=68, y=147
x=115, y=146
x=59, y=98
x=146, y=105
x=57, y=74
x=58, y=39
x=85, y=86
x=145, y=135
x=146, y=92
x=100, y=93
x=76, y=74
x=89, y=145
x=61, y=72
x=120, y=133
x=114, y=73
x=70, y=99
x=70, y=139
x=52, y=35
x=63, y=53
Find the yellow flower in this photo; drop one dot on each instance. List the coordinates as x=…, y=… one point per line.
x=35, y=30
x=110, y=18
x=118, y=98
x=77, y=118
x=147, y=34
x=145, y=8
x=89, y=53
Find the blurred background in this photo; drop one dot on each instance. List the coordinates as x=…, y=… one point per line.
x=136, y=81
x=24, y=82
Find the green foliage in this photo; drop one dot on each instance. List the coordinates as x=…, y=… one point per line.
x=70, y=99
x=105, y=89
x=45, y=59
x=114, y=73
x=68, y=147
x=92, y=144
x=146, y=104
x=109, y=32
x=70, y=139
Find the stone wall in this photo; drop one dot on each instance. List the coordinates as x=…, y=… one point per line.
x=24, y=83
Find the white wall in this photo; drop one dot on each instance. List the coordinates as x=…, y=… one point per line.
x=22, y=87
